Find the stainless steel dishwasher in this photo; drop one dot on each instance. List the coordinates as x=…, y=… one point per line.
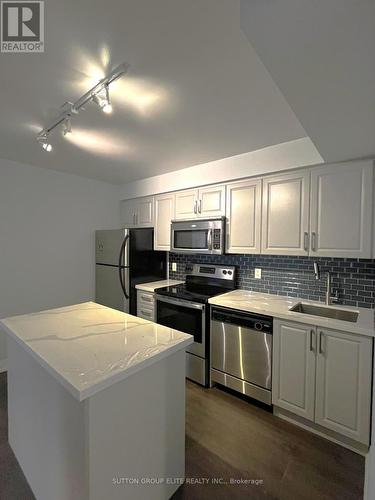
x=241, y=352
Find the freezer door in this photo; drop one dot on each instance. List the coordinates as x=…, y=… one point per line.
x=108, y=287
x=109, y=245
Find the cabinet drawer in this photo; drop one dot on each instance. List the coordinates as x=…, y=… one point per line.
x=146, y=299
x=145, y=313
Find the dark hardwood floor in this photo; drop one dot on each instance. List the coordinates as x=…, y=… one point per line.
x=228, y=438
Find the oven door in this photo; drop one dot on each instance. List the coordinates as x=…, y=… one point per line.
x=187, y=317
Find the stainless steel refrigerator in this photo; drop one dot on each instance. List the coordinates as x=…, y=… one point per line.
x=125, y=258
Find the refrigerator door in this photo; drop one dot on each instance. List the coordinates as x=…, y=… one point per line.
x=145, y=263
x=109, y=291
x=112, y=247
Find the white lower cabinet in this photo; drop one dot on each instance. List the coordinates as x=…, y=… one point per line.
x=293, y=386
x=323, y=376
x=343, y=383
x=146, y=305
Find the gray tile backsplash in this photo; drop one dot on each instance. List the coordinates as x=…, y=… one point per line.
x=293, y=276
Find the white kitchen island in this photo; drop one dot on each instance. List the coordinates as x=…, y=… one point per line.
x=96, y=402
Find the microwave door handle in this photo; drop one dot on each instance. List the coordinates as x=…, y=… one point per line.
x=209, y=239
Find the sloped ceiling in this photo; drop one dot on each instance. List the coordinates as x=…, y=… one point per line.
x=196, y=90
x=321, y=55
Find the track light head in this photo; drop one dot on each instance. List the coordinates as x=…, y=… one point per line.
x=43, y=141
x=104, y=103
x=67, y=126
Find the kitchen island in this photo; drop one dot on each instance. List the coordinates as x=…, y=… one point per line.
x=96, y=402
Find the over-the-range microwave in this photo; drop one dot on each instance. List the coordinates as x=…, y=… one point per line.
x=198, y=236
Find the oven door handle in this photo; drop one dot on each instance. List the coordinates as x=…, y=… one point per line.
x=183, y=303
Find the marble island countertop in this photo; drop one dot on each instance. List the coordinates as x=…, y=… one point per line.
x=88, y=347
x=154, y=285
x=279, y=307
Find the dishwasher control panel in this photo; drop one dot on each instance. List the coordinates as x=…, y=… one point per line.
x=251, y=321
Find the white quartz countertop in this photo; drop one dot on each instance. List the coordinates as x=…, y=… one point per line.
x=154, y=285
x=278, y=307
x=88, y=347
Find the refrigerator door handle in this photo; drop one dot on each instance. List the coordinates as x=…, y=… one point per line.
x=122, y=250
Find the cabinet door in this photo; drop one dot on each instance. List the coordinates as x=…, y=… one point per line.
x=164, y=213
x=186, y=204
x=243, y=216
x=128, y=213
x=211, y=201
x=285, y=214
x=343, y=383
x=293, y=377
x=341, y=210
x=145, y=212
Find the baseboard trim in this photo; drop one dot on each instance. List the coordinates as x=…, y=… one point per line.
x=3, y=365
x=344, y=441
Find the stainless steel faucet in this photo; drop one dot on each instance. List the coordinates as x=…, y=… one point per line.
x=329, y=298
x=316, y=270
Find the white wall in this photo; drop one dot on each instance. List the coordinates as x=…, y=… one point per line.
x=47, y=223
x=292, y=154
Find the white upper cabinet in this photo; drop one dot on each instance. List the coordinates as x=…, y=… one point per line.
x=202, y=203
x=243, y=216
x=138, y=212
x=211, y=201
x=164, y=213
x=186, y=204
x=343, y=383
x=128, y=213
x=341, y=210
x=293, y=374
x=285, y=214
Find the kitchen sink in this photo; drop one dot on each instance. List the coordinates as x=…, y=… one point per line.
x=325, y=312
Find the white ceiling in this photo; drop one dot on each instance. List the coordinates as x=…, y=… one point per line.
x=196, y=90
x=321, y=54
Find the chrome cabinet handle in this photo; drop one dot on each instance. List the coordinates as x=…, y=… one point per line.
x=195, y=206
x=306, y=241
x=200, y=206
x=311, y=340
x=313, y=241
x=321, y=343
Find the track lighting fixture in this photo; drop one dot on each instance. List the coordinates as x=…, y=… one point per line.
x=72, y=109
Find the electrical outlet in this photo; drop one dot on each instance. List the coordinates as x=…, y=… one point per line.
x=258, y=273
x=174, y=266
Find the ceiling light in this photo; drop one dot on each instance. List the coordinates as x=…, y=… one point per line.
x=67, y=126
x=73, y=108
x=107, y=108
x=103, y=102
x=45, y=144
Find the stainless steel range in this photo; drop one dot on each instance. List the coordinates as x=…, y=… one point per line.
x=185, y=308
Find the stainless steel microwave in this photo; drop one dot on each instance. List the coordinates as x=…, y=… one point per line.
x=198, y=236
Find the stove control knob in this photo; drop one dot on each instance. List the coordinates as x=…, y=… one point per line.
x=258, y=326
x=229, y=272
x=224, y=272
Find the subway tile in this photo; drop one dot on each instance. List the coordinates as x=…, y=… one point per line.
x=293, y=276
